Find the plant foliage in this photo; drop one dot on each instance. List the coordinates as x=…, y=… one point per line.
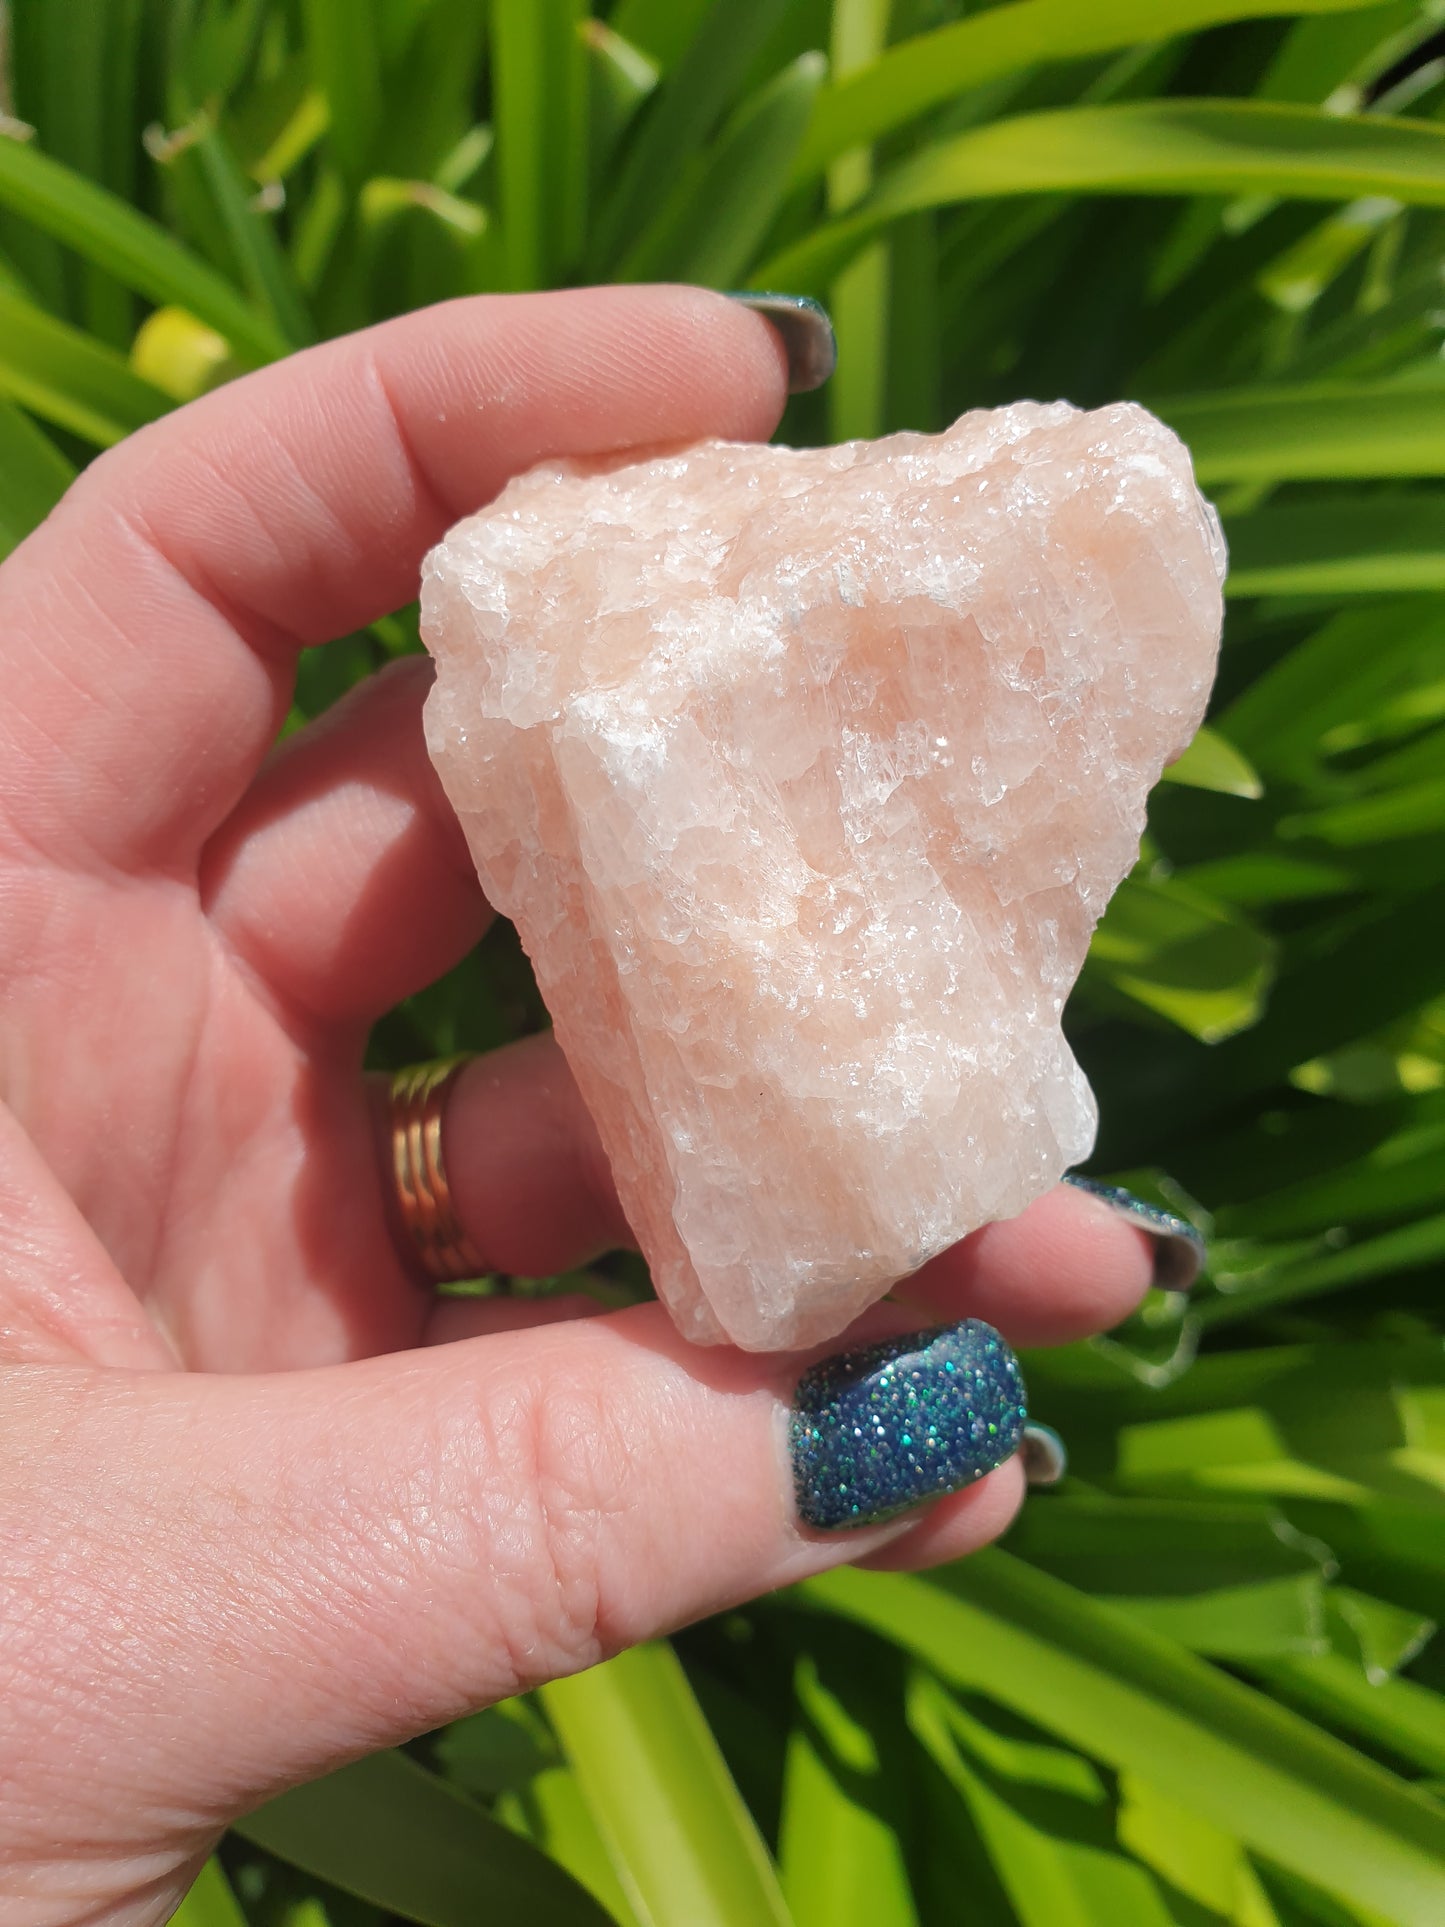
x=1196, y=1685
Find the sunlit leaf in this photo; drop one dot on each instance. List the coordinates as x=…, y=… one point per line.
x=1212, y=763
x=841, y=1858
x=679, y=117
x=129, y=245
x=710, y=227
x=33, y=476
x=1139, y=148
x=1138, y=1702
x=1063, y=1874
x=1193, y=961
x=661, y=1794
x=1314, y=433
x=540, y=114
x=210, y=1901
x=929, y=69
x=66, y=377
x=1346, y=544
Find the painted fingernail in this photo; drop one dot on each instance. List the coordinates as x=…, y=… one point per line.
x=1045, y=1459
x=1178, y=1247
x=884, y=1428
x=807, y=335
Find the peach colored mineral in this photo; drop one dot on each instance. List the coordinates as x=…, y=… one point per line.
x=805, y=775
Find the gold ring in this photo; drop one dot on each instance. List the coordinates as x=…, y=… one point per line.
x=418, y=1103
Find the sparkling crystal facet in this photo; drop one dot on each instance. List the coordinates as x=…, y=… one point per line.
x=805, y=775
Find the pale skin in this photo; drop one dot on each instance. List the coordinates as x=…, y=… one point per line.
x=267, y=1504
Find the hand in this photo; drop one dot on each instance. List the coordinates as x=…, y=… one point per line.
x=255, y=1519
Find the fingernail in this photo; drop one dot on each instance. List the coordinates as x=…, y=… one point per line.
x=807, y=335
x=881, y=1429
x=1045, y=1459
x=1178, y=1247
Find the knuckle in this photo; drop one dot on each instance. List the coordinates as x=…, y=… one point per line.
x=567, y=1471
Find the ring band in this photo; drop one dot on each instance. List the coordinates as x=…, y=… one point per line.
x=418, y=1102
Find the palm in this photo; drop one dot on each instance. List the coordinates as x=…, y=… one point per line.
x=218, y=1144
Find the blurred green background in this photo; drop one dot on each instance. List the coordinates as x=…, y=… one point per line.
x=1196, y=1685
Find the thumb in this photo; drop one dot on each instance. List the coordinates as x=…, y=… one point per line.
x=249, y=1580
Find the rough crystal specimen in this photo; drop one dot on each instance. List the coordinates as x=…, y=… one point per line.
x=805, y=776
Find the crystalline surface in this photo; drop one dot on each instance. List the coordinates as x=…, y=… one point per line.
x=805, y=776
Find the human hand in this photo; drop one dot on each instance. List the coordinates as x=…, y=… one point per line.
x=257, y=1520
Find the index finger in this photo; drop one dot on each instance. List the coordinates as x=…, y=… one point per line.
x=150, y=626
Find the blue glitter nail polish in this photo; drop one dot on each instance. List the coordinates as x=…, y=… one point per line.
x=1178, y=1247
x=879, y=1430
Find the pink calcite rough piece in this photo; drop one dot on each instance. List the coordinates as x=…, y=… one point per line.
x=805, y=776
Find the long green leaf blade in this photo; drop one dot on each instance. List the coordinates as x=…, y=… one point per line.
x=710, y=232
x=33, y=476
x=344, y=47
x=1348, y=543
x=1312, y=433
x=679, y=118
x=650, y=1769
x=1140, y=1703
x=1397, y=1713
x=930, y=69
x=263, y=265
x=540, y=113
x=842, y=1862
x=390, y=1832
x=70, y=379
x=132, y=247
x=1159, y=147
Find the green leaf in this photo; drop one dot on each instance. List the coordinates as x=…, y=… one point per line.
x=1199, y=1861
x=1192, y=960
x=210, y=1902
x=1159, y=1547
x=75, y=75
x=619, y=79
x=499, y=1748
x=539, y=110
x=1382, y=1636
x=710, y=229
x=661, y=28
x=1416, y=810
x=857, y=395
x=129, y=245
x=1394, y=1171
x=1143, y=1705
x=1339, y=673
x=1140, y=147
x=842, y=1862
x=1271, y=1619
x=258, y=255
x=1398, y=1714
x=551, y=1812
x=679, y=118
x=33, y=476
x=68, y=378
x=663, y=1799
x=1211, y=763
x=1412, y=1247
x=930, y=69
x=1058, y=1869
x=389, y=1832
x=1348, y=543
x=1314, y=433
x=343, y=44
